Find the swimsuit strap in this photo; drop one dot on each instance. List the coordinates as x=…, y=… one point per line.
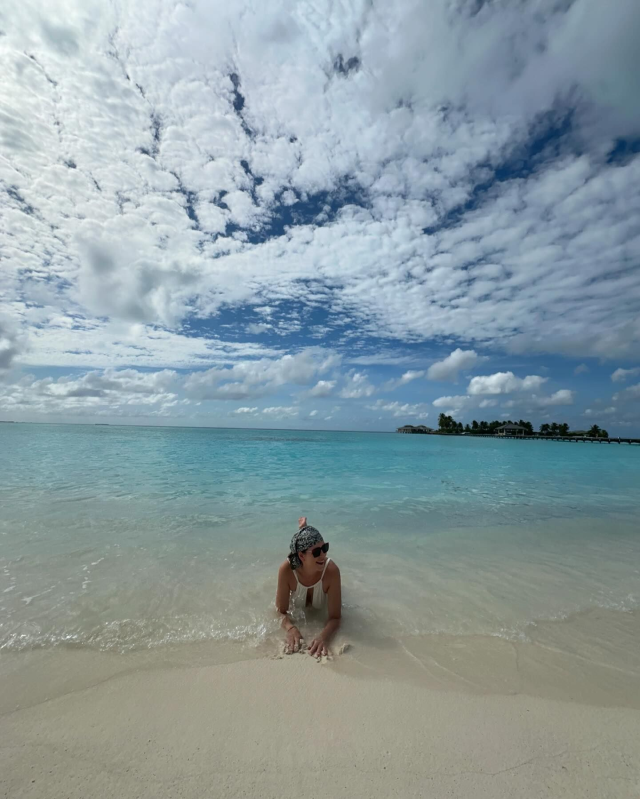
x=317, y=581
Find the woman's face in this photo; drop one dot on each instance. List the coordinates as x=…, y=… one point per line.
x=309, y=561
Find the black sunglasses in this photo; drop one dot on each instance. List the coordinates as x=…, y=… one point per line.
x=324, y=548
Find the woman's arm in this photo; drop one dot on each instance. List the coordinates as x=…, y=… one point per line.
x=319, y=645
x=282, y=606
x=283, y=591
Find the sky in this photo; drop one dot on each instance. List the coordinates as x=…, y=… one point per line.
x=323, y=215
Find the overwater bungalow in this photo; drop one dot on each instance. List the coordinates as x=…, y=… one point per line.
x=409, y=428
x=511, y=430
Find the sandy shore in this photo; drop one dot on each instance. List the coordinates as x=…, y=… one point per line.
x=292, y=727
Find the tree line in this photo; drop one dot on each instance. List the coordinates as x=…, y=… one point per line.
x=447, y=424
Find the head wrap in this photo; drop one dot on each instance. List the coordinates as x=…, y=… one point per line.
x=306, y=537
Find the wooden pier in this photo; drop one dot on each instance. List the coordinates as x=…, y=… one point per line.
x=570, y=439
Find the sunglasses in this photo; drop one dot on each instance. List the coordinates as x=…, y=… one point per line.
x=324, y=548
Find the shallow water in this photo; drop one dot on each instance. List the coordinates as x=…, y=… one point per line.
x=127, y=538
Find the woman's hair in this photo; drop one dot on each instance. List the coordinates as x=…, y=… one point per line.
x=306, y=537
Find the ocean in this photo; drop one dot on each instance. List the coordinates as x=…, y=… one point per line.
x=122, y=538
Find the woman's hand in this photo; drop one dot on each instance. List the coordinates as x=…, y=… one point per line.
x=293, y=641
x=318, y=647
x=302, y=521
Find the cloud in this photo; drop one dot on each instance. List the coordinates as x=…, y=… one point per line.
x=449, y=368
x=356, y=385
x=581, y=369
x=117, y=392
x=312, y=414
x=245, y=410
x=631, y=393
x=323, y=388
x=453, y=404
x=410, y=375
x=503, y=383
x=382, y=358
x=12, y=343
x=281, y=412
x=562, y=397
x=600, y=412
x=65, y=340
x=465, y=196
x=458, y=404
x=256, y=328
x=404, y=379
x=439, y=172
x=620, y=375
x=398, y=409
x=260, y=377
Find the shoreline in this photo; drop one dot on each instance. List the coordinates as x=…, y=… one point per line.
x=590, y=658
x=474, y=717
x=291, y=726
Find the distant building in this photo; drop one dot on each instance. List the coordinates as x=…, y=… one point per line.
x=409, y=428
x=511, y=430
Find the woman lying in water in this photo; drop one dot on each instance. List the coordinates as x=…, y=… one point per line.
x=312, y=579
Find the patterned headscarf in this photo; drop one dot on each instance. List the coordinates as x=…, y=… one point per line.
x=306, y=537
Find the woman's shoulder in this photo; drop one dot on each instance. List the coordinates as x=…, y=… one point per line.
x=286, y=575
x=285, y=567
x=332, y=569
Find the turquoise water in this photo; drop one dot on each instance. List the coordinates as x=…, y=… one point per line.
x=126, y=537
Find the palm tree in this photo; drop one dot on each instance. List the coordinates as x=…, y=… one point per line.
x=442, y=421
x=564, y=429
x=604, y=434
x=474, y=425
x=594, y=432
x=554, y=428
x=544, y=429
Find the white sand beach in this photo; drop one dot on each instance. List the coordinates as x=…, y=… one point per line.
x=74, y=724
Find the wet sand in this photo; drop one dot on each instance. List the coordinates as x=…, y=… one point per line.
x=433, y=716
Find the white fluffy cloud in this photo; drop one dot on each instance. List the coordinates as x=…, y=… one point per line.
x=631, y=393
x=600, y=412
x=444, y=171
x=119, y=392
x=274, y=412
x=620, y=375
x=527, y=402
x=406, y=378
x=261, y=377
x=11, y=342
x=503, y=383
x=458, y=401
x=449, y=368
x=405, y=410
x=561, y=397
x=178, y=197
x=356, y=385
x=323, y=388
x=410, y=375
x=281, y=412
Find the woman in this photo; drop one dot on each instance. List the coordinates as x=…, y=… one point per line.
x=313, y=579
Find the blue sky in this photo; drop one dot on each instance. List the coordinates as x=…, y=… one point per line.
x=332, y=216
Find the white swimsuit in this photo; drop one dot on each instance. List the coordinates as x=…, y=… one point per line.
x=319, y=599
